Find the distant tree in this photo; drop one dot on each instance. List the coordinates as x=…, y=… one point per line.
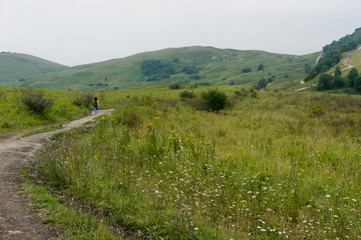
x=337, y=71
x=190, y=70
x=353, y=74
x=156, y=70
x=246, y=70
x=308, y=68
x=358, y=84
x=262, y=83
x=260, y=67
x=338, y=82
x=325, y=82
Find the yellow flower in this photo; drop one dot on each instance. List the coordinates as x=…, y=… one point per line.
x=156, y=118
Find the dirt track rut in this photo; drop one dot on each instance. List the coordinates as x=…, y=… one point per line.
x=16, y=221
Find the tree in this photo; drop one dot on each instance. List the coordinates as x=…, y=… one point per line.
x=337, y=71
x=246, y=70
x=358, y=84
x=308, y=68
x=338, y=82
x=260, y=67
x=262, y=83
x=325, y=82
x=353, y=74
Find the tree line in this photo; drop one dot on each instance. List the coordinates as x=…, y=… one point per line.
x=156, y=70
x=332, y=53
x=328, y=81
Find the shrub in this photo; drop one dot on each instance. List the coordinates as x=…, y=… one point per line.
x=197, y=103
x=246, y=70
x=187, y=94
x=35, y=101
x=175, y=86
x=215, y=99
x=5, y=125
x=318, y=111
x=128, y=117
x=84, y=99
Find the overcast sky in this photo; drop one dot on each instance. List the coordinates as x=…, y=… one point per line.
x=75, y=32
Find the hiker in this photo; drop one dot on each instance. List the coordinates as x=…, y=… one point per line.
x=96, y=106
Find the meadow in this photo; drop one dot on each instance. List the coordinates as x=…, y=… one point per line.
x=275, y=165
x=15, y=116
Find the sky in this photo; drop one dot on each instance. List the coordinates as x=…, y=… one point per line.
x=76, y=32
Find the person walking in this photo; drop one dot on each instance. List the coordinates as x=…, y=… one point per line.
x=96, y=105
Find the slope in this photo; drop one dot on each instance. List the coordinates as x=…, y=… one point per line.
x=17, y=67
x=198, y=65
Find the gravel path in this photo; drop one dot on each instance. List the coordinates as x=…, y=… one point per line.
x=16, y=221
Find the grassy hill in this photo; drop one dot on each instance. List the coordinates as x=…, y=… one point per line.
x=213, y=67
x=16, y=67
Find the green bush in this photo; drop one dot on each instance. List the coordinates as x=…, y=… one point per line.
x=35, y=101
x=187, y=94
x=317, y=111
x=215, y=99
x=175, y=86
x=84, y=99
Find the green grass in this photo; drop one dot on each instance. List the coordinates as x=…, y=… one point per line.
x=281, y=165
x=16, y=117
x=83, y=226
x=218, y=67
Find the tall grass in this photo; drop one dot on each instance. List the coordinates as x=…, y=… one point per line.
x=268, y=169
x=24, y=109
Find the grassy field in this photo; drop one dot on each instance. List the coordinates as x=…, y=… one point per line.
x=15, y=116
x=276, y=165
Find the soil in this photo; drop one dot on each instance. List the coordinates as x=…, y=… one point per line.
x=18, y=221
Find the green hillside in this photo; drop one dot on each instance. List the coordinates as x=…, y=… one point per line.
x=196, y=65
x=16, y=67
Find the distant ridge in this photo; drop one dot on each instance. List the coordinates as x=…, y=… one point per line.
x=186, y=65
x=17, y=67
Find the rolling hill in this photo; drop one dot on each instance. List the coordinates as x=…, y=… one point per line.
x=196, y=65
x=16, y=67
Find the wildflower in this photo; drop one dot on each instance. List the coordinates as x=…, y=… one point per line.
x=328, y=196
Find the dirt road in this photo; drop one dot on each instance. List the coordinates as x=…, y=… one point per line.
x=16, y=221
